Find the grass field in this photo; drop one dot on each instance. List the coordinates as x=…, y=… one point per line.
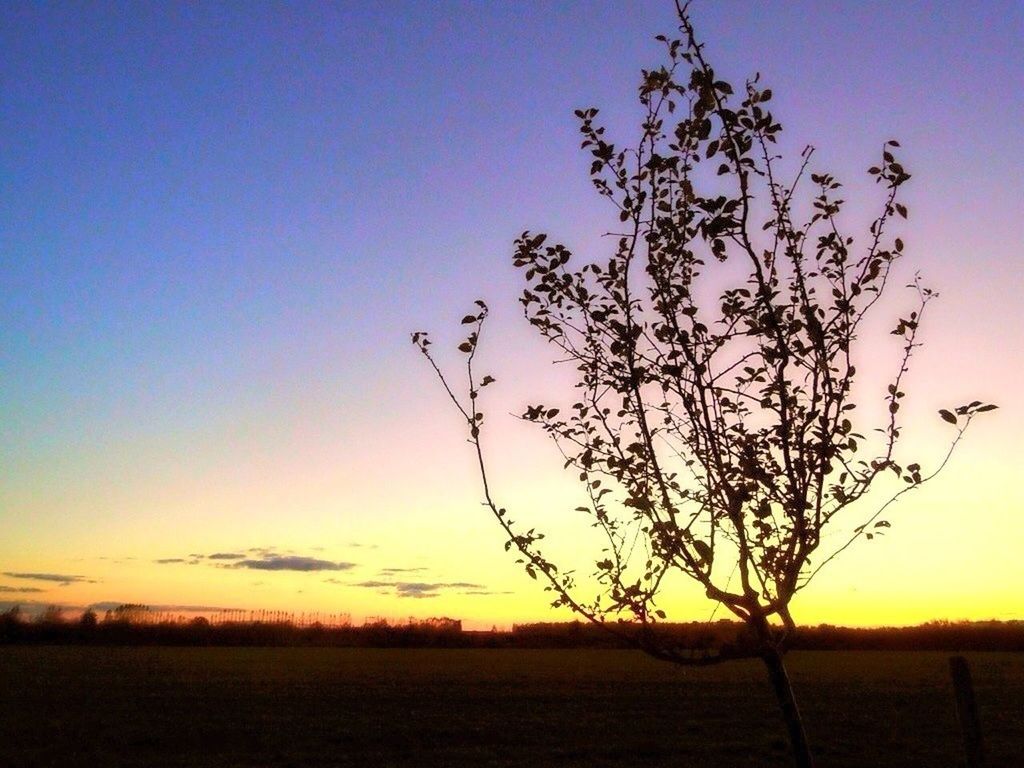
x=82, y=706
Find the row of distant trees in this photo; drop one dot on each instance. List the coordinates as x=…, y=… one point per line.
x=137, y=613
x=732, y=638
x=132, y=625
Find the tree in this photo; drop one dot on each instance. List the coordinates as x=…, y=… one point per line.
x=718, y=439
x=51, y=616
x=130, y=613
x=11, y=622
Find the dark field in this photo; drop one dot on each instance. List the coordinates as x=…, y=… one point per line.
x=81, y=706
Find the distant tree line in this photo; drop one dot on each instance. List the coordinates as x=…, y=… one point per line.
x=732, y=638
x=131, y=625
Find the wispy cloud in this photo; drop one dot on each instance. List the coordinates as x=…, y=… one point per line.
x=261, y=559
x=389, y=571
x=190, y=560
x=61, y=578
x=19, y=590
x=291, y=563
x=423, y=589
x=430, y=589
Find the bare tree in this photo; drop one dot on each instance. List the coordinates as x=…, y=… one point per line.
x=717, y=439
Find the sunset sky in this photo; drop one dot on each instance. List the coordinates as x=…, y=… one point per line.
x=219, y=223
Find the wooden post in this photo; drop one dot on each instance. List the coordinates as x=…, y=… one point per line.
x=967, y=711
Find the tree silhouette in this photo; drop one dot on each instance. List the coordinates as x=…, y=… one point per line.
x=716, y=438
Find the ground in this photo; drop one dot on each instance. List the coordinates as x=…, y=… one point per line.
x=205, y=707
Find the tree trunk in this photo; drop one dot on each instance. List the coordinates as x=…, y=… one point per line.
x=787, y=703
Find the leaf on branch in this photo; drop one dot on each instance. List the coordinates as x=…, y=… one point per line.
x=947, y=416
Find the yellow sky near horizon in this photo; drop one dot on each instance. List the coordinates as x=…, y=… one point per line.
x=434, y=551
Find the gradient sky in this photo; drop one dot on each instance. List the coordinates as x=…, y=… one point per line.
x=219, y=222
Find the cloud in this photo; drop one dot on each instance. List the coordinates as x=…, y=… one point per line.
x=10, y=588
x=291, y=563
x=423, y=589
x=261, y=559
x=60, y=578
x=388, y=571
x=418, y=591
x=430, y=589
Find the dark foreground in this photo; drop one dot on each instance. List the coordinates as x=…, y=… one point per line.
x=91, y=706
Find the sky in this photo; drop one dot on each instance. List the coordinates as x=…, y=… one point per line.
x=219, y=223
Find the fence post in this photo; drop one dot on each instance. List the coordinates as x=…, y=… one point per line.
x=967, y=712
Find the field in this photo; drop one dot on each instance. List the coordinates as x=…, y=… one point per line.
x=88, y=706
